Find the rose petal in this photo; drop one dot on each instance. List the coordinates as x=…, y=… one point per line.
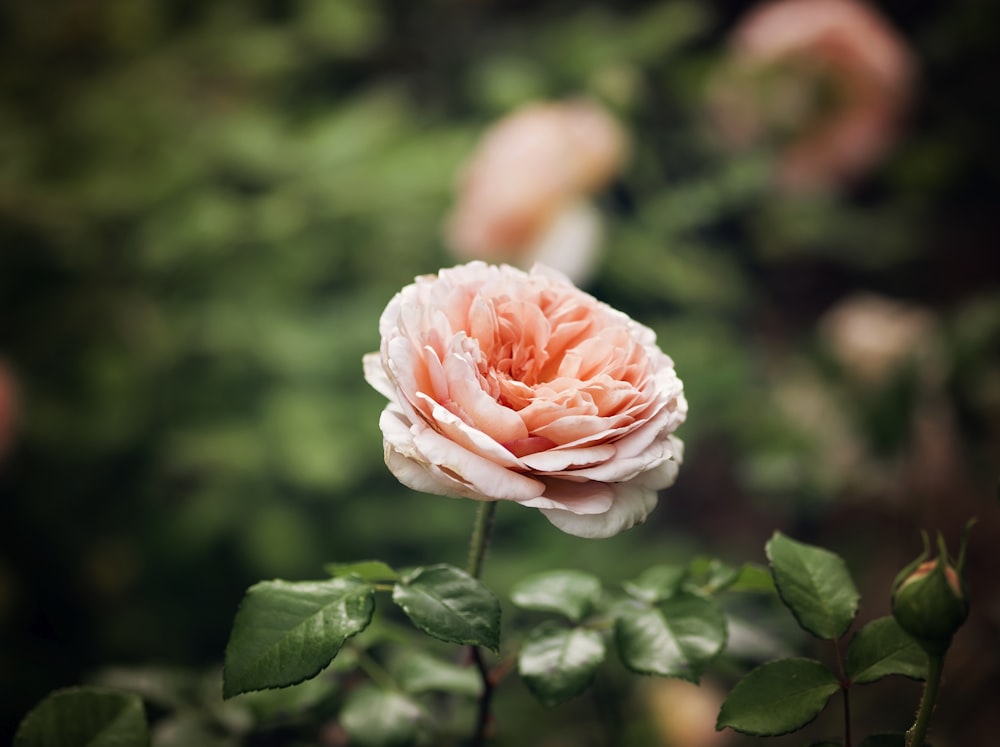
x=631, y=505
x=656, y=468
x=621, y=469
x=571, y=428
x=489, y=478
x=403, y=460
x=425, y=478
x=453, y=427
x=559, y=460
x=666, y=473
x=376, y=376
x=575, y=497
x=480, y=409
x=437, y=464
x=530, y=445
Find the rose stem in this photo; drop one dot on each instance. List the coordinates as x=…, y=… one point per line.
x=845, y=689
x=935, y=666
x=481, y=532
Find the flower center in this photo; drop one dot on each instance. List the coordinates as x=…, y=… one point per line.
x=551, y=356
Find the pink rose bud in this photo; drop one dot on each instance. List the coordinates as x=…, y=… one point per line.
x=506, y=385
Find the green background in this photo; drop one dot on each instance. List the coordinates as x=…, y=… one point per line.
x=204, y=207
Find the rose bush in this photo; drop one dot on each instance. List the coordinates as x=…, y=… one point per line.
x=517, y=386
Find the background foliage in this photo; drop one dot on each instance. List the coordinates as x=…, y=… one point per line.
x=204, y=207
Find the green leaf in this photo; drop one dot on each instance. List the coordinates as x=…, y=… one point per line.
x=753, y=578
x=677, y=638
x=286, y=632
x=571, y=593
x=366, y=570
x=885, y=739
x=291, y=700
x=417, y=671
x=85, y=717
x=657, y=583
x=188, y=728
x=381, y=718
x=882, y=648
x=778, y=697
x=449, y=604
x=814, y=584
x=558, y=662
x=710, y=575
x=167, y=688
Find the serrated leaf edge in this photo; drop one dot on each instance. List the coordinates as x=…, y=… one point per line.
x=413, y=574
x=230, y=693
x=719, y=725
x=791, y=608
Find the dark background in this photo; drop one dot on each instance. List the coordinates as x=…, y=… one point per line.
x=204, y=207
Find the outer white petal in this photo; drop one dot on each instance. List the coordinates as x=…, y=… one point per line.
x=575, y=497
x=396, y=430
x=665, y=474
x=425, y=478
x=639, y=440
x=664, y=451
x=469, y=437
x=631, y=506
x=620, y=469
x=403, y=361
x=487, y=478
x=376, y=376
x=558, y=460
x=447, y=466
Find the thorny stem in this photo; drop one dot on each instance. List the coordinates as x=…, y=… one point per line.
x=935, y=666
x=481, y=531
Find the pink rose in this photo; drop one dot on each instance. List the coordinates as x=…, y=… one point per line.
x=826, y=81
x=524, y=194
x=515, y=386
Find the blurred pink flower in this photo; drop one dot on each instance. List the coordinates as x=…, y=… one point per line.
x=874, y=338
x=825, y=81
x=523, y=196
x=512, y=386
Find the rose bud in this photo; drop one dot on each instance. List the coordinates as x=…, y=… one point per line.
x=930, y=600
